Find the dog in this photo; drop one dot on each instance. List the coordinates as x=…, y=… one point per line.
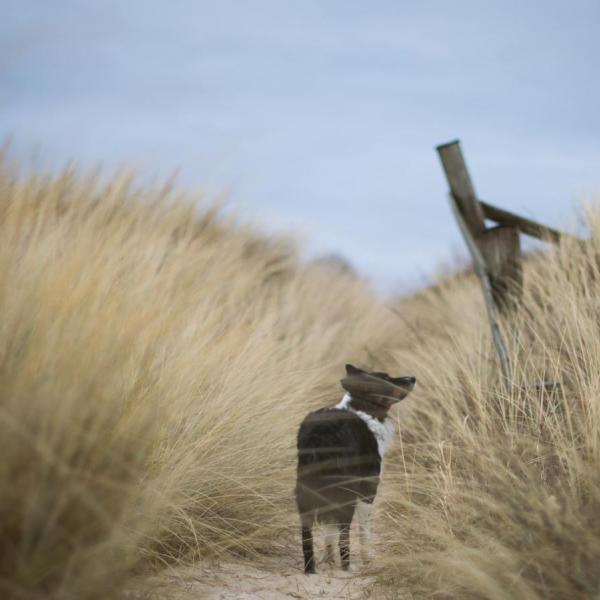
x=340, y=456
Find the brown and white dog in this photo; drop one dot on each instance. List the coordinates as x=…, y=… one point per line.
x=340, y=456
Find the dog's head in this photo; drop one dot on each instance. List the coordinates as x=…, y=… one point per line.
x=377, y=385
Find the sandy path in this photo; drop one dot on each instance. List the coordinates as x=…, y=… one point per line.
x=235, y=581
x=274, y=578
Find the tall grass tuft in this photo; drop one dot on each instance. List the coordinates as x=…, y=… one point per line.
x=155, y=360
x=495, y=490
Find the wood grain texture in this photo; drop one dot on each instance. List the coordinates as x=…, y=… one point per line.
x=461, y=186
x=501, y=249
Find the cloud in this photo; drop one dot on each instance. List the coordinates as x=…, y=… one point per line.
x=322, y=116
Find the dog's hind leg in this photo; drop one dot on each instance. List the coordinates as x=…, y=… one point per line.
x=345, y=545
x=364, y=514
x=344, y=519
x=307, y=544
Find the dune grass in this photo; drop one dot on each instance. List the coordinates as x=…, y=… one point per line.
x=156, y=359
x=495, y=491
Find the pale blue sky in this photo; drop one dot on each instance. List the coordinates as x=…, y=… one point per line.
x=318, y=116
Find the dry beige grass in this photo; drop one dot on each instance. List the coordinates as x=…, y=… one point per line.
x=155, y=361
x=495, y=492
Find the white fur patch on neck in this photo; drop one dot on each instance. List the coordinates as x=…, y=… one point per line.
x=344, y=402
x=383, y=432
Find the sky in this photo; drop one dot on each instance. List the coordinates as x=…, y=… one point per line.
x=318, y=117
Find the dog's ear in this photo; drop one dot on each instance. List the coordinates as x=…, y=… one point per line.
x=408, y=382
x=352, y=370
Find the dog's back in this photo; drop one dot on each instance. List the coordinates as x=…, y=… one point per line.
x=338, y=462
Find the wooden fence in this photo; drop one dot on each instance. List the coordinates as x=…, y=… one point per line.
x=496, y=251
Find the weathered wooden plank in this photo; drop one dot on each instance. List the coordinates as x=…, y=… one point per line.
x=481, y=270
x=526, y=226
x=501, y=249
x=461, y=186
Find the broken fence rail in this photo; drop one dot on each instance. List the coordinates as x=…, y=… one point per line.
x=496, y=251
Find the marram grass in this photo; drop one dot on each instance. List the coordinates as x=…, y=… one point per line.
x=156, y=360
x=495, y=490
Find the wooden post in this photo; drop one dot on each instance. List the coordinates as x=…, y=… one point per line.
x=496, y=252
x=461, y=186
x=501, y=249
x=481, y=270
x=471, y=220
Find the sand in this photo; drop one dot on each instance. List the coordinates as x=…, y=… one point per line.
x=273, y=578
x=248, y=581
